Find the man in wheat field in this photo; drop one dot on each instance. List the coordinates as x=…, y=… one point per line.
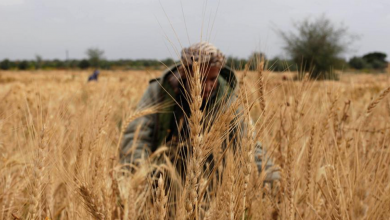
x=170, y=127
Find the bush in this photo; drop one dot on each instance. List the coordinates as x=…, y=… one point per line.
x=358, y=63
x=377, y=60
x=23, y=65
x=236, y=63
x=254, y=58
x=5, y=64
x=84, y=64
x=95, y=56
x=316, y=47
x=281, y=65
x=168, y=62
x=38, y=62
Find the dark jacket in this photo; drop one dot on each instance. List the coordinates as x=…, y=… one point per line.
x=149, y=132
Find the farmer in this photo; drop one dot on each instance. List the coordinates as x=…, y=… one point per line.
x=146, y=134
x=94, y=76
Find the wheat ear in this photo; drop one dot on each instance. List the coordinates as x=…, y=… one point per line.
x=376, y=101
x=90, y=201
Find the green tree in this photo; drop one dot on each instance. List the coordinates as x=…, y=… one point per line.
x=236, y=63
x=59, y=64
x=5, y=64
x=358, y=63
x=254, y=58
x=38, y=61
x=281, y=65
x=84, y=64
x=95, y=56
x=23, y=65
x=316, y=46
x=168, y=62
x=376, y=59
x=73, y=63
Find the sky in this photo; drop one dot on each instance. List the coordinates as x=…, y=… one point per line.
x=157, y=29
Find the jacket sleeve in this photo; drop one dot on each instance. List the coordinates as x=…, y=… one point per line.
x=138, y=137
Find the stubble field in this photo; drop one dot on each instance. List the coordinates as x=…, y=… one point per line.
x=59, y=139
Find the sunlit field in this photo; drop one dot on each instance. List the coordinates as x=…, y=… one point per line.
x=60, y=139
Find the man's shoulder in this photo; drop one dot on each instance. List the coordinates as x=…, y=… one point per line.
x=165, y=74
x=161, y=85
x=155, y=80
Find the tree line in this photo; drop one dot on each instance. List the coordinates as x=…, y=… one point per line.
x=314, y=47
x=7, y=64
x=367, y=63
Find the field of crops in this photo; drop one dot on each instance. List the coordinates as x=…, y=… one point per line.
x=59, y=141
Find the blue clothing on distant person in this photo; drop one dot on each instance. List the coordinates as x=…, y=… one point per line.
x=94, y=76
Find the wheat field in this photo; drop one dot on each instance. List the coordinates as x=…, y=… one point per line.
x=59, y=140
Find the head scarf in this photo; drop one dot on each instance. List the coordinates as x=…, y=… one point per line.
x=202, y=53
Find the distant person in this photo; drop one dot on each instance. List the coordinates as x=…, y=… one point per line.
x=171, y=126
x=94, y=76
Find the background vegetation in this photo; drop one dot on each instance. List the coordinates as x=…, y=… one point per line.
x=355, y=64
x=316, y=47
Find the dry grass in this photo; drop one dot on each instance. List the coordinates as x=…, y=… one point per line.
x=59, y=159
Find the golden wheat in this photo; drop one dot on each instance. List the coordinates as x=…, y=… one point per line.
x=59, y=139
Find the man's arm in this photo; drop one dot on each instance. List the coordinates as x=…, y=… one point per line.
x=138, y=137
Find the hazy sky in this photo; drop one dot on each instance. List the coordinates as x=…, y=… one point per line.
x=140, y=28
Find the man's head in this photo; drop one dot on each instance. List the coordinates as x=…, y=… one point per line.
x=210, y=59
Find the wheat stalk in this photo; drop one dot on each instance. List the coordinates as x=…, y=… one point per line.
x=376, y=101
x=195, y=166
x=161, y=199
x=91, y=202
